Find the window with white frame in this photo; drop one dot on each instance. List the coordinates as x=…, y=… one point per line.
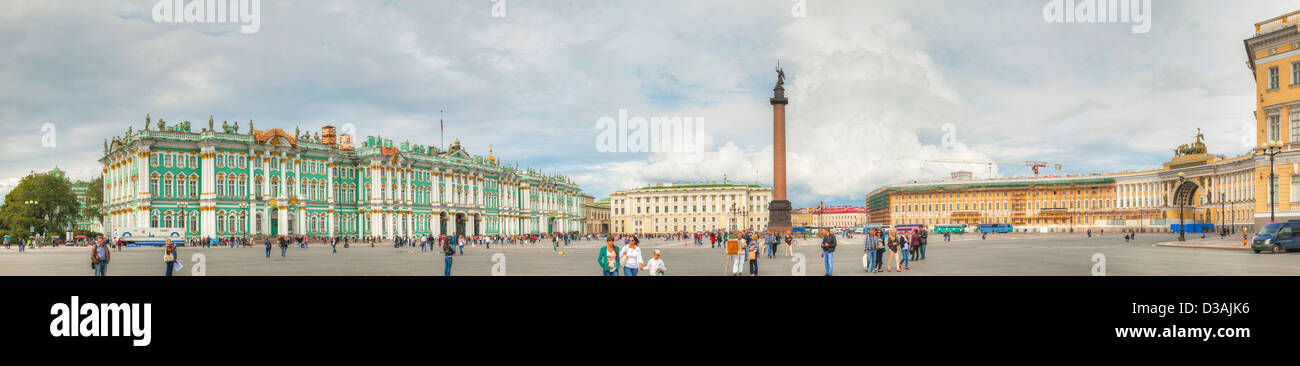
x=1274, y=127
x=1272, y=78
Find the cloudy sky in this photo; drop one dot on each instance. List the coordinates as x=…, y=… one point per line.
x=872, y=84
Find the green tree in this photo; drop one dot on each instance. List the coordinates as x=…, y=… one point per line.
x=94, y=199
x=42, y=201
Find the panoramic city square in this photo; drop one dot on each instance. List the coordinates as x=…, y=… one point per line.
x=965, y=255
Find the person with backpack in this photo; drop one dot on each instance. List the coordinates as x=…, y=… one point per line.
x=448, y=252
x=268, y=247
x=751, y=253
x=828, y=252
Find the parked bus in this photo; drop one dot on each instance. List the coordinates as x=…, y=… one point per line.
x=950, y=229
x=150, y=235
x=995, y=228
x=907, y=227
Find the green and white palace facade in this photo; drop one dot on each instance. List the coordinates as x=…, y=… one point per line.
x=219, y=182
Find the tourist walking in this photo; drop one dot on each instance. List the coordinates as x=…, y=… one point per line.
x=906, y=246
x=828, y=252
x=869, y=252
x=169, y=258
x=656, y=265
x=99, y=257
x=751, y=251
x=893, y=242
x=630, y=257
x=608, y=259
x=448, y=252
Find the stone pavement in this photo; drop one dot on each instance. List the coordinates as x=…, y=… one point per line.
x=1213, y=242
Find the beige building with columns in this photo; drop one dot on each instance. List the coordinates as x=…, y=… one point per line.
x=690, y=207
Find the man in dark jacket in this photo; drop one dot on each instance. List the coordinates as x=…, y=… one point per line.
x=925, y=234
x=828, y=252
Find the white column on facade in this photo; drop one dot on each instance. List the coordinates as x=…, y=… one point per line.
x=207, y=192
x=330, y=195
x=376, y=186
x=301, y=221
x=282, y=197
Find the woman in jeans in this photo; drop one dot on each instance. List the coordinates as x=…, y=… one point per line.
x=608, y=258
x=631, y=258
x=169, y=258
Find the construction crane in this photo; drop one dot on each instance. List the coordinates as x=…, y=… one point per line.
x=1032, y=164
x=1040, y=164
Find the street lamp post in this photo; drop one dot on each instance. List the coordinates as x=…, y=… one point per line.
x=1182, y=227
x=1272, y=148
x=1223, y=223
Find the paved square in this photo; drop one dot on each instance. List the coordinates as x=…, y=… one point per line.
x=1005, y=254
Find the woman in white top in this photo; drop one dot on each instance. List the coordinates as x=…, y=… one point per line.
x=631, y=257
x=656, y=265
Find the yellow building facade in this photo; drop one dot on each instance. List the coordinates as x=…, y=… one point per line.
x=1239, y=193
x=1273, y=56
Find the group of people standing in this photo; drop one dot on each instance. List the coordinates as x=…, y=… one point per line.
x=902, y=246
x=612, y=259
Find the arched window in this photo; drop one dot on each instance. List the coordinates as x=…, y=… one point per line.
x=167, y=219
x=243, y=222
x=180, y=186
x=275, y=187
x=153, y=218
x=232, y=224
x=153, y=185
x=243, y=186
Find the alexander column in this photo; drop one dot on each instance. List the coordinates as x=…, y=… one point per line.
x=779, y=208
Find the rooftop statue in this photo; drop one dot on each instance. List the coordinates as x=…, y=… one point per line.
x=780, y=74
x=210, y=128
x=1194, y=148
